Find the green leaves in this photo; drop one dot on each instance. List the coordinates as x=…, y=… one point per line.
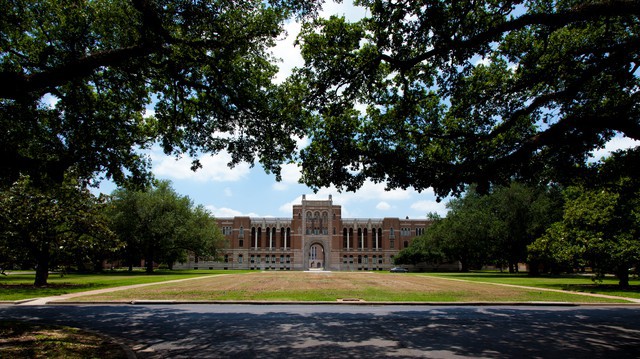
x=98, y=65
x=161, y=226
x=59, y=226
x=454, y=93
x=600, y=226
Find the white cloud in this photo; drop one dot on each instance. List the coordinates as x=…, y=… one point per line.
x=49, y=100
x=383, y=206
x=287, y=53
x=214, y=168
x=430, y=206
x=290, y=175
x=372, y=190
x=616, y=143
x=228, y=192
x=345, y=8
x=224, y=212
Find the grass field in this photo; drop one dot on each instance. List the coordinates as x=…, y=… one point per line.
x=575, y=283
x=334, y=286
x=17, y=286
x=320, y=286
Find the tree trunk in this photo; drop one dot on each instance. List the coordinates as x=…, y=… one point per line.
x=42, y=268
x=148, y=262
x=534, y=269
x=623, y=277
x=464, y=265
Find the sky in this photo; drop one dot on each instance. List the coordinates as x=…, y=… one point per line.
x=246, y=191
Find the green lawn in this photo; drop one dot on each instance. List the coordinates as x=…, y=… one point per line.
x=300, y=286
x=335, y=286
x=17, y=286
x=576, y=283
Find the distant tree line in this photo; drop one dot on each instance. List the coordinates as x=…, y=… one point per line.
x=68, y=228
x=593, y=222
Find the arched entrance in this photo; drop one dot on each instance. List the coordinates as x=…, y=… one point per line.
x=316, y=259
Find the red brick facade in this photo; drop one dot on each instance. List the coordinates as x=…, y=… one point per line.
x=315, y=237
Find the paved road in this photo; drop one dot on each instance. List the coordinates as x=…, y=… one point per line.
x=308, y=331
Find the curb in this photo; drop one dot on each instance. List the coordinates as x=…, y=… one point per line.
x=348, y=303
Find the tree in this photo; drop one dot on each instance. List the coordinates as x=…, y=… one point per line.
x=489, y=228
x=159, y=225
x=444, y=94
x=56, y=226
x=521, y=214
x=425, y=249
x=600, y=226
x=462, y=236
x=76, y=78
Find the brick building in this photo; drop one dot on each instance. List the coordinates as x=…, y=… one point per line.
x=315, y=237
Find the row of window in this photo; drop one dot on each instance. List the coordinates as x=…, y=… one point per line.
x=405, y=232
x=362, y=259
x=351, y=243
x=267, y=259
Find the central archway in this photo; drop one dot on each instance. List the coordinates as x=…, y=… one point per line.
x=316, y=257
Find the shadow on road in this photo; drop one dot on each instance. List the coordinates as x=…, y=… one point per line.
x=322, y=332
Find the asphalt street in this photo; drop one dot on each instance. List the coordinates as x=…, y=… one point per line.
x=332, y=331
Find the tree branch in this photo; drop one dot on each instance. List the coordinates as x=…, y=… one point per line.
x=16, y=86
x=587, y=12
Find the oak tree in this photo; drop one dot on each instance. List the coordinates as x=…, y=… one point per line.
x=161, y=226
x=56, y=226
x=85, y=84
x=444, y=94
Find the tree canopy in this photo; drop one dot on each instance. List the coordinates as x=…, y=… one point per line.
x=77, y=79
x=160, y=226
x=44, y=228
x=444, y=94
x=493, y=228
x=600, y=227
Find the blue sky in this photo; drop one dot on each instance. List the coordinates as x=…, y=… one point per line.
x=251, y=192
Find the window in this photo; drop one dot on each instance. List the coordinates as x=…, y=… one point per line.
x=406, y=244
x=240, y=259
x=392, y=243
x=419, y=231
x=226, y=230
x=241, y=233
x=391, y=233
x=405, y=232
x=241, y=243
